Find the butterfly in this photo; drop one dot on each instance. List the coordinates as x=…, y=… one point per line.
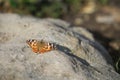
x=40, y=46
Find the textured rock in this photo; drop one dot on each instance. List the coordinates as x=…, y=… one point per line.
x=78, y=55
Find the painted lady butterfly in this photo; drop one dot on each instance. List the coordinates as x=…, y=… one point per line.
x=40, y=46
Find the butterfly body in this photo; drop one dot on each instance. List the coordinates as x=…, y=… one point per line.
x=40, y=46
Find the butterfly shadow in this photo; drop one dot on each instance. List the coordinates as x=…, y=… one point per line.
x=68, y=52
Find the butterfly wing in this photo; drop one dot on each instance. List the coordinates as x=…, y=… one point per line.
x=33, y=44
x=45, y=47
x=40, y=46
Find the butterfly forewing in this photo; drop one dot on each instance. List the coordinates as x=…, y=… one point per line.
x=40, y=46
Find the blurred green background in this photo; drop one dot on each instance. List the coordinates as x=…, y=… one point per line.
x=46, y=8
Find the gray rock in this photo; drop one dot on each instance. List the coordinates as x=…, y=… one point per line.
x=77, y=57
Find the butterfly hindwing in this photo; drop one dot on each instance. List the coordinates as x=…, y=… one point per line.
x=40, y=46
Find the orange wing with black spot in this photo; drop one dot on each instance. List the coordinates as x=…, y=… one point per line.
x=40, y=46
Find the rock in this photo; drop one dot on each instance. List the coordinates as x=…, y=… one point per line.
x=77, y=57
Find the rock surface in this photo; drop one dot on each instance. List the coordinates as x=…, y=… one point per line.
x=78, y=55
